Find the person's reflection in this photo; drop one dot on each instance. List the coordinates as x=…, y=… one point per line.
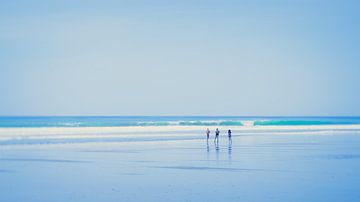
x=229, y=149
x=229, y=145
x=208, y=151
x=207, y=147
x=217, y=149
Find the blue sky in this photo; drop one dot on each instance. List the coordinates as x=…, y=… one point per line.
x=284, y=58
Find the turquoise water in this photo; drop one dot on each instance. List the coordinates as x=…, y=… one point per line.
x=112, y=121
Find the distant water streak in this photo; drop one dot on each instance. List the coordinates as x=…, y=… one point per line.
x=112, y=121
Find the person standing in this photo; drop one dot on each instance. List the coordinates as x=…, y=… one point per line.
x=229, y=136
x=207, y=134
x=217, y=133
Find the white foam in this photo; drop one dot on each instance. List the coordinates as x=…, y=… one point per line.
x=247, y=123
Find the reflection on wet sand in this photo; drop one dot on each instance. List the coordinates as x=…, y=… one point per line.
x=217, y=149
x=207, y=151
x=229, y=150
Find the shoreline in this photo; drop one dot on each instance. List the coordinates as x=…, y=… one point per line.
x=13, y=133
x=33, y=137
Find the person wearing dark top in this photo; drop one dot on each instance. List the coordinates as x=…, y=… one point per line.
x=217, y=132
x=229, y=135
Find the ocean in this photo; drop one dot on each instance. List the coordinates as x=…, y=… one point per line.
x=119, y=121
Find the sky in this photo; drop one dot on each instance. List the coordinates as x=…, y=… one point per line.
x=188, y=57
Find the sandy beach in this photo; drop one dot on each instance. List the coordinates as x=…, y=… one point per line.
x=298, y=163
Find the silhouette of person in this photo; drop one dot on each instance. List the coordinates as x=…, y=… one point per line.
x=207, y=134
x=217, y=132
x=229, y=136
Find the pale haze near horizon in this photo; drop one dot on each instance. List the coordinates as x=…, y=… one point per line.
x=249, y=58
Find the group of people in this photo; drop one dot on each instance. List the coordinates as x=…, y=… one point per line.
x=217, y=133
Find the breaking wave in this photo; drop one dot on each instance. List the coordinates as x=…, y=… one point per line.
x=35, y=122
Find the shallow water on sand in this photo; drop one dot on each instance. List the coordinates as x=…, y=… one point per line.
x=257, y=167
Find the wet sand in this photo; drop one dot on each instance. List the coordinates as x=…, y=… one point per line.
x=273, y=166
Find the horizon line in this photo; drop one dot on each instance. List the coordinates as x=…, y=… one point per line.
x=238, y=116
